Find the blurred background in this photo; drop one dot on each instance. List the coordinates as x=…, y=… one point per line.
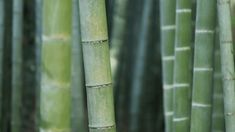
x=136, y=65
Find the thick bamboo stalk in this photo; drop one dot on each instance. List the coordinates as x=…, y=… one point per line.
x=2, y=8
x=139, y=66
x=17, y=65
x=97, y=66
x=218, y=97
x=78, y=107
x=182, y=65
x=203, y=66
x=55, y=96
x=167, y=14
x=227, y=62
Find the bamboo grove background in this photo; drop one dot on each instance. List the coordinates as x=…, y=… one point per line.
x=159, y=64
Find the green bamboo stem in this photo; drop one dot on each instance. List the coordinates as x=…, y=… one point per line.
x=218, y=104
x=227, y=62
x=55, y=95
x=97, y=66
x=182, y=73
x=1, y=55
x=17, y=65
x=78, y=107
x=167, y=14
x=118, y=32
x=139, y=66
x=38, y=42
x=201, y=114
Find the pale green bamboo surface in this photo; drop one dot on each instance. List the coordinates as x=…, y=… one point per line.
x=55, y=96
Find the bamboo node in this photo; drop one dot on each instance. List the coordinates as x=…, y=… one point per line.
x=183, y=10
x=196, y=104
x=180, y=119
x=183, y=48
x=204, y=31
x=229, y=114
x=168, y=58
x=99, y=86
x=168, y=27
x=95, y=41
x=102, y=127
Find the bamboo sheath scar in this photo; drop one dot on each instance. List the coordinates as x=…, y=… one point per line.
x=227, y=62
x=55, y=95
x=182, y=66
x=97, y=66
x=201, y=114
x=167, y=15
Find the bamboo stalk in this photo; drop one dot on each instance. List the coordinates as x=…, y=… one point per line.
x=201, y=113
x=182, y=73
x=139, y=68
x=117, y=38
x=17, y=65
x=97, y=66
x=227, y=62
x=38, y=42
x=2, y=8
x=167, y=14
x=218, y=104
x=55, y=96
x=78, y=106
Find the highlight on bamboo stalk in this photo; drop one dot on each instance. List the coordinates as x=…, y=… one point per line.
x=55, y=96
x=167, y=17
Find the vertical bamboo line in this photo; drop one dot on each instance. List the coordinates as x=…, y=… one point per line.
x=203, y=66
x=97, y=65
x=78, y=106
x=218, y=104
x=2, y=8
x=167, y=14
x=55, y=95
x=227, y=62
x=17, y=65
x=182, y=73
x=38, y=42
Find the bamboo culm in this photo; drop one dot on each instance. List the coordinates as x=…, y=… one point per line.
x=1, y=55
x=201, y=114
x=117, y=38
x=97, y=66
x=38, y=42
x=55, y=95
x=17, y=65
x=218, y=104
x=182, y=66
x=78, y=85
x=167, y=16
x=139, y=68
x=227, y=62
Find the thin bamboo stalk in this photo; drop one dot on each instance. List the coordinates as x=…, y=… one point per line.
x=78, y=85
x=227, y=62
x=17, y=65
x=137, y=84
x=38, y=42
x=218, y=97
x=1, y=55
x=182, y=66
x=201, y=113
x=167, y=14
x=55, y=96
x=97, y=66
